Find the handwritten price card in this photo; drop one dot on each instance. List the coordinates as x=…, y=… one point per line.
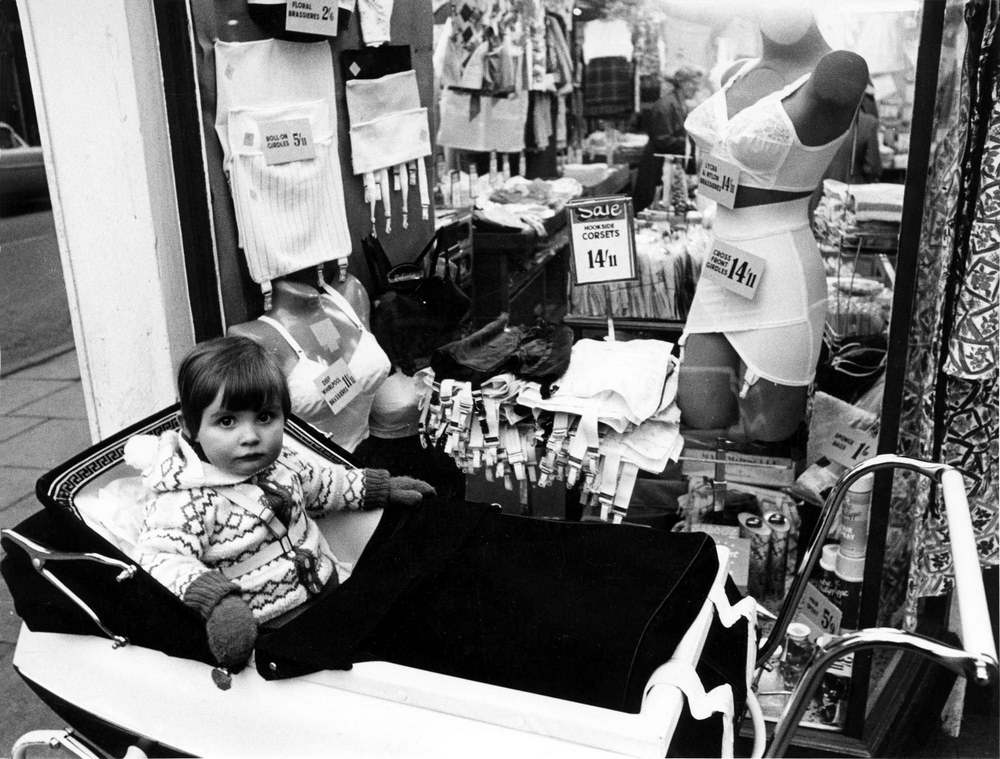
x=718, y=180
x=734, y=269
x=602, y=239
x=337, y=385
x=311, y=17
x=287, y=141
x=819, y=612
x=850, y=443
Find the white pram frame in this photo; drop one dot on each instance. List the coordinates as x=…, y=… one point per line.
x=388, y=710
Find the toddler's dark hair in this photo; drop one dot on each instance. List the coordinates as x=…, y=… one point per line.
x=250, y=375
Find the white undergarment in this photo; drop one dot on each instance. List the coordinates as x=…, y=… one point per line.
x=778, y=334
x=270, y=72
x=761, y=139
x=621, y=382
x=291, y=216
x=388, y=125
x=499, y=124
x=376, y=17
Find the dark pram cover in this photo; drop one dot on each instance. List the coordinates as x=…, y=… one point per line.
x=579, y=611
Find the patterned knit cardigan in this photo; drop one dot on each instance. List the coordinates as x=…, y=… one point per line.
x=191, y=528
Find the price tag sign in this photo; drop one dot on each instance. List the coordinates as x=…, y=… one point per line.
x=819, y=612
x=338, y=385
x=850, y=444
x=602, y=240
x=718, y=180
x=311, y=17
x=734, y=269
x=287, y=141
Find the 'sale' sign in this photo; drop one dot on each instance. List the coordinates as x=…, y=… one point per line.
x=602, y=239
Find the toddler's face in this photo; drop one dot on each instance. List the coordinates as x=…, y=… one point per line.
x=241, y=442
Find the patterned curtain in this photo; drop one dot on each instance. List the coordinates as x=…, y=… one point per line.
x=950, y=405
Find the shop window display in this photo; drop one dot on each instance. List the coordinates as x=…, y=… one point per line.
x=779, y=117
x=727, y=410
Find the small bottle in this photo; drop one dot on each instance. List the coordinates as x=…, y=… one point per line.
x=826, y=574
x=798, y=649
x=850, y=576
x=830, y=703
x=473, y=181
x=780, y=528
x=758, y=533
x=442, y=180
x=854, y=517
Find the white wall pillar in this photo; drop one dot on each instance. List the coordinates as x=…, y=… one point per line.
x=97, y=83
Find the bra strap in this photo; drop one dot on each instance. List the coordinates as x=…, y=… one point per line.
x=344, y=304
x=749, y=64
x=788, y=89
x=293, y=344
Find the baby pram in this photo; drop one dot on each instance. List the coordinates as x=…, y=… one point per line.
x=154, y=687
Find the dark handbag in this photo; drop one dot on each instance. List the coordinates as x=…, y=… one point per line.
x=416, y=309
x=848, y=369
x=488, y=351
x=540, y=353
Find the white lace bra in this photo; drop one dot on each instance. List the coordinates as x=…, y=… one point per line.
x=306, y=400
x=761, y=139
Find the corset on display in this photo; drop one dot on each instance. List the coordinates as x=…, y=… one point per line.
x=761, y=139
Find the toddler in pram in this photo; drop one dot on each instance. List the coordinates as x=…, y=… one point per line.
x=570, y=620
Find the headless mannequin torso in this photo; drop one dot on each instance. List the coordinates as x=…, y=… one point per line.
x=325, y=332
x=821, y=110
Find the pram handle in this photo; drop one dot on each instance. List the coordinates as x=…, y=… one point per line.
x=39, y=555
x=830, y=508
x=977, y=635
x=977, y=659
x=980, y=666
x=66, y=740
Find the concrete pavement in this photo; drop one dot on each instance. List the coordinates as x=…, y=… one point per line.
x=34, y=312
x=43, y=421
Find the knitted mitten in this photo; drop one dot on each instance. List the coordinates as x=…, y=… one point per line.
x=381, y=489
x=232, y=632
x=408, y=491
x=229, y=623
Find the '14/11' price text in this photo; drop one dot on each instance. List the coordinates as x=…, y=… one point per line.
x=599, y=259
x=739, y=271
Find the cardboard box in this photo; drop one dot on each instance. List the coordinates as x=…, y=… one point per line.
x=772, y=471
